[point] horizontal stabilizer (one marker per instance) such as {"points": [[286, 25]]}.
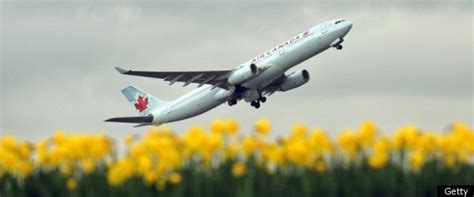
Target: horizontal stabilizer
{"points": [[132, 119]]}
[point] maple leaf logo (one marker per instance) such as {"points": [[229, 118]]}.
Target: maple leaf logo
{"points": [[141, 104]]}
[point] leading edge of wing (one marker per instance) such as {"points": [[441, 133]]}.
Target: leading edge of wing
{"points": [[158, 73], [216, 78]]}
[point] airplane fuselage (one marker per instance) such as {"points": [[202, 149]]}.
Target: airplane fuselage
{"points": [[272, 63]]}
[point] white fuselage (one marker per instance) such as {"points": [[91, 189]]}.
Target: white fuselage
{"points": [[272, 63]]}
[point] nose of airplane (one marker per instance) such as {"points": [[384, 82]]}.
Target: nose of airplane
{"points": [[348, 26]]}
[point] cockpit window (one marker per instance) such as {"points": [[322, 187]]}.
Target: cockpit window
{"points": [[339, 21]]}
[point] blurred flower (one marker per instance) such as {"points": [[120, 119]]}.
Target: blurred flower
{"points": [[426, 142], [462, 129], [349, 144], [378, 160], [71, 184], [405, 137], [129, 139], [382, 146], [320, 166], [275, 154], [66, 170], [15, 157], [149, 176], [417, 159], [120, 171], [320, 142], [88, 165], [249, 145], [175, 178], [239, 169], [262, 126], [218, 126], [367, 133], [298, 152], [231, 151], [379, 156], [449, 161], [231, 126], [68, 151], [299, 131]]}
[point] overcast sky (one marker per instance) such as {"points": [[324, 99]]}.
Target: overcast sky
{"points": [[401, 63]]}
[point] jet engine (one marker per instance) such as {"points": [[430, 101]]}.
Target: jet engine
{"points": [[243, 74], [294, 80]]}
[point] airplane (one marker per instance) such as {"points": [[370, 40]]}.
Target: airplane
{"points": [[251, 81]]}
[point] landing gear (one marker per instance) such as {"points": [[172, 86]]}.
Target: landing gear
{"points": [[238, 92], [337, 43], [232, 102], [255, 104]]}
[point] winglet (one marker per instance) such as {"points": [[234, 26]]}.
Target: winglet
{"points": [[121, 70]]}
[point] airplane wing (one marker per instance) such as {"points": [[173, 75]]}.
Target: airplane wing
{"points": [[268, 91], [274, 86], [217, 78]]}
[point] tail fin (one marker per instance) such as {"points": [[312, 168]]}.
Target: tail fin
{"points": [[143, 102]]}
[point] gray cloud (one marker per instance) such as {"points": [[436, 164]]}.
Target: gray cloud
{"points": [[401, 62]]}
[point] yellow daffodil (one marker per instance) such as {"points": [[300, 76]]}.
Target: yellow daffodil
{"points": [[88, 165], [239, 169], [231, 126], [298, 152], [405, 137], [320, 142], [320, 166], [218, 126], [378, 160], [367, 133], [349, 144], [262, 126], [299, 131], [120, 171], [175, 178], [250, 145], [15, 157], [71, 184], [129, 139], [417, 160]]}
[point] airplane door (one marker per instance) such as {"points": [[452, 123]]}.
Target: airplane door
{"points": [[324, 28]]}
